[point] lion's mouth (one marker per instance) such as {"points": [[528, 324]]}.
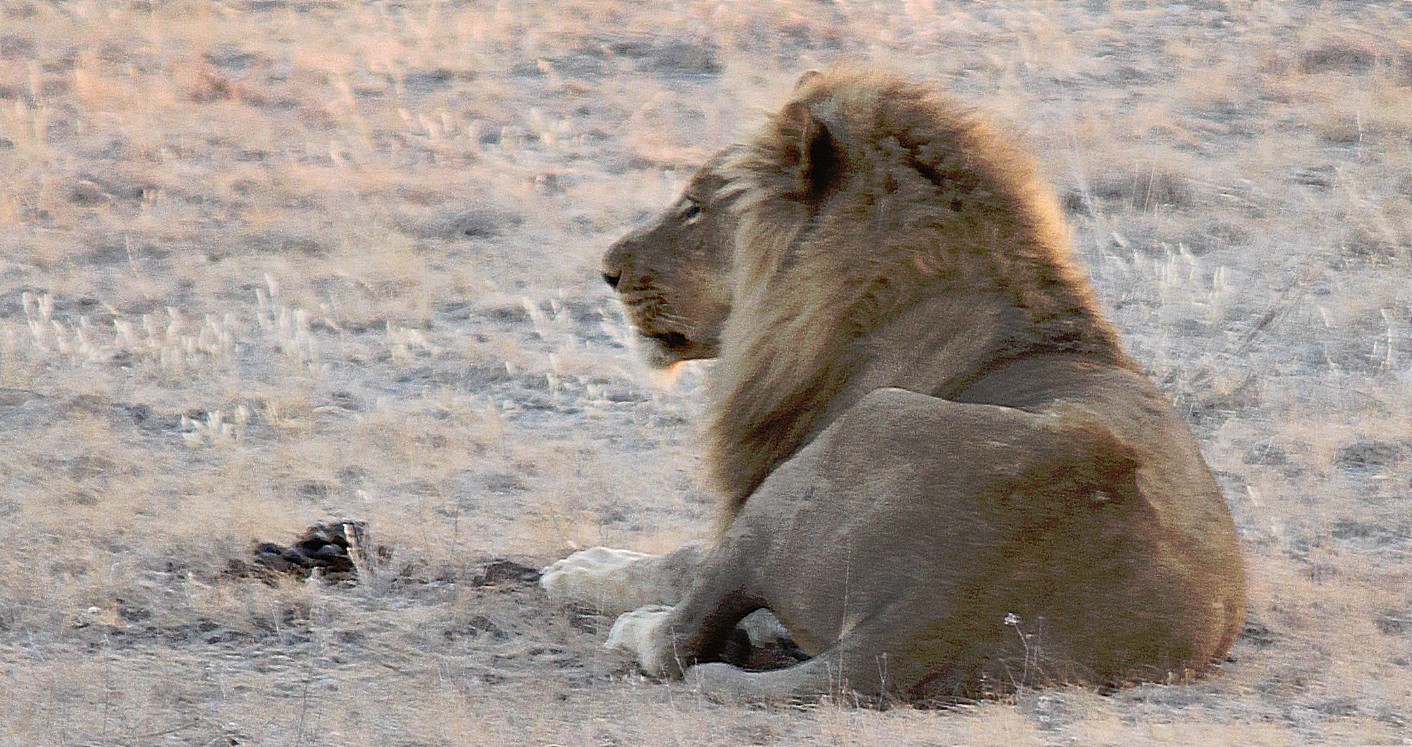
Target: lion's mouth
{"points": [[675, 342], [666, 349]]}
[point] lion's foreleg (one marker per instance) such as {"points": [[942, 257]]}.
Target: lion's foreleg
{"points": [[615, 581], [855, 668], [666, 640]]}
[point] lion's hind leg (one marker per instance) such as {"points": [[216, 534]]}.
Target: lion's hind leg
{"points": [[998, 495]]}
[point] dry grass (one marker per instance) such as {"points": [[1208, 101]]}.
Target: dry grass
{"points": [[263, 263]]}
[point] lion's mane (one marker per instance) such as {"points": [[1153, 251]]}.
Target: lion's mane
{"points": [[809, 288]]}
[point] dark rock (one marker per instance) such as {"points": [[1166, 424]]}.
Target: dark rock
{"points": [[330, 548], [502, 572]]}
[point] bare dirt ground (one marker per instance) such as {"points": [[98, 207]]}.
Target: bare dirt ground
{"points": [[264, 263]]}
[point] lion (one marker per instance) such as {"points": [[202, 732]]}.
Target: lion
{"points": [[941, 473]]}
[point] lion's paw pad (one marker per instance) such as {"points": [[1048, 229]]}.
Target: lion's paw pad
{"points": [[640, 633]]}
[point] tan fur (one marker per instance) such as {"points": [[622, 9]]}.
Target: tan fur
{"points": [[921, 422]]}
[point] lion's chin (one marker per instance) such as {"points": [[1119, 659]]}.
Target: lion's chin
{"points": [[659, 354], [666, 351]]}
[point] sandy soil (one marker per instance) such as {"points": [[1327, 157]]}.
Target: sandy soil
{"points": [[266, 263]]}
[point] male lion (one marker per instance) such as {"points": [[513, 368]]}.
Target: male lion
{"points": [[942, 473]]}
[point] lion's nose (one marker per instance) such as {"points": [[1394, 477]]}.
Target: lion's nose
{"points": [[616, 262]]}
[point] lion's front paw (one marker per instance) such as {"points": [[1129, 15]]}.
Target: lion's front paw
{"points": [[646, 633], [600, 577]]}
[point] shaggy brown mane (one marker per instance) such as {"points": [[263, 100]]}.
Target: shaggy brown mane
{"points": [[923, 198]]}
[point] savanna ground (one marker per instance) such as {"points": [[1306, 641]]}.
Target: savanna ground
{"points": [[264, 263]]}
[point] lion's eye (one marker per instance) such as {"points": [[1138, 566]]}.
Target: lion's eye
{"points": [[690, 211]]}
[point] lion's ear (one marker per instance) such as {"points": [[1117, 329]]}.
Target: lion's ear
{"points": [[808, 76], [820, 157]]}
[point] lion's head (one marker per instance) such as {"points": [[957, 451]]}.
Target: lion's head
{"points": [[672, 275]]}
